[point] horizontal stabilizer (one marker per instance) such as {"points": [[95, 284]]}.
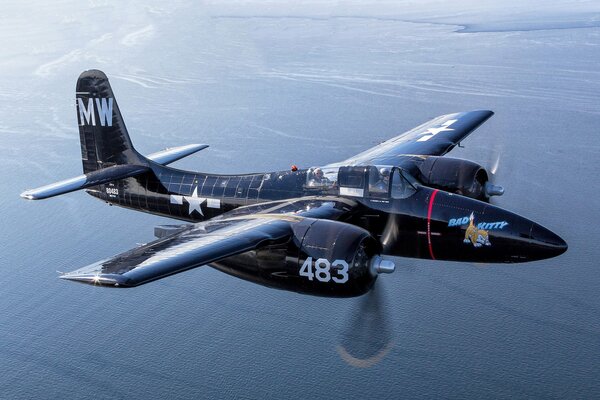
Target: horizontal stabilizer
{"points": [[173, 154], [94, 178]]}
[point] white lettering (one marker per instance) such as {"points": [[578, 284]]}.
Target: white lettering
{"points": [[105, 111], [306, 269], [86, 115], [343, 272], [322, 266], [322, 270], [104, 107]]}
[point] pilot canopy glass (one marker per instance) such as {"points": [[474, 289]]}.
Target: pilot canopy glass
{"points": [[322, 177], [373, 181], [403, 184]]}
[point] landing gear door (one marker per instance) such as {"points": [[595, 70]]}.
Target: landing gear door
{"points": [[353, 181]]}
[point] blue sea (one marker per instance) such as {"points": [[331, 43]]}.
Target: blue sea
{"points": [[269, 85]]}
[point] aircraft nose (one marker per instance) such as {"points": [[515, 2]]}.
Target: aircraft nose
{"points": [[551, 245]]}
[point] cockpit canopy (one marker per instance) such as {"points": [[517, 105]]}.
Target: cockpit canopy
{"points": [[374, 181], [322, 177]]}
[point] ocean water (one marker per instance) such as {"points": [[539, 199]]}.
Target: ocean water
{"points": [[267, 86]]}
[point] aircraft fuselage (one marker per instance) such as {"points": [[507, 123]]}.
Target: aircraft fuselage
{"points": [[428, 223]]}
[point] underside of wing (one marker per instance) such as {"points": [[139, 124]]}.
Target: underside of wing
{"points": [[435, 137]]}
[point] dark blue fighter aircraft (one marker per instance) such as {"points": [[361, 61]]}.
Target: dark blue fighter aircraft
{"points": [[322, 231]]}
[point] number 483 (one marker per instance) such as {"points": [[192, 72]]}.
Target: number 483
{"points": [[323, 270]]}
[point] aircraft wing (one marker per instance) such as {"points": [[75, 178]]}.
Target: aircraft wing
{"points": [[203, 243], [189, 248], [435, 138]]}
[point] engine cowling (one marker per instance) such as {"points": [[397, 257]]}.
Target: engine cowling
{"points": [[455, 175], [323, 258]]}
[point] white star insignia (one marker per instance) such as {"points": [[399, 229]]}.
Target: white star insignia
{"points": [[195, 202], [431, 132]]}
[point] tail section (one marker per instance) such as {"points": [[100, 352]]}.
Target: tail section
{"points": [[104, 138], [106, 149]]}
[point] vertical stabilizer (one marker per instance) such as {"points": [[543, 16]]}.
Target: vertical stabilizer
{"points": [[104, 138]]}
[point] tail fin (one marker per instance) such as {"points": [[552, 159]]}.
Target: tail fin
{"points": [[104, 138]]}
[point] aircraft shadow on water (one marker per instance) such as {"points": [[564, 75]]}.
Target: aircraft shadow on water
{"points": [[326, 230]]}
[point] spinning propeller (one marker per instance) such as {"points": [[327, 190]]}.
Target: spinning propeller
{"points": [[367, 338], [490, 187]]}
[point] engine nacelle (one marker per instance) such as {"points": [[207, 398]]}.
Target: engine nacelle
{"points": [[456, 175], [323, 258]]}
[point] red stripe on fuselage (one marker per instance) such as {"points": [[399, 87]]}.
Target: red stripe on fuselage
{"points": [[431, 200]]}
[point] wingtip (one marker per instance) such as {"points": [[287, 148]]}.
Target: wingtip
{"points": [[75, 278], [95, 279], [483, 111], [28, 195]]}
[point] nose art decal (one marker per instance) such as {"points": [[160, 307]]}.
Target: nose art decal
{"points": [[477, 237]]}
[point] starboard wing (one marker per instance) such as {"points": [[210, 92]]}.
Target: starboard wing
{"points": [[435, 137]]}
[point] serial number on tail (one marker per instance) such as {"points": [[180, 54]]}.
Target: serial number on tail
{"points": [[112, 191]]}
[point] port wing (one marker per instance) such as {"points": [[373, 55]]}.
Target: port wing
{"points": [[188, 248]]}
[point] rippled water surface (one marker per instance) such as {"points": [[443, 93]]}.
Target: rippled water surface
{"points": [[270, 87]]}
